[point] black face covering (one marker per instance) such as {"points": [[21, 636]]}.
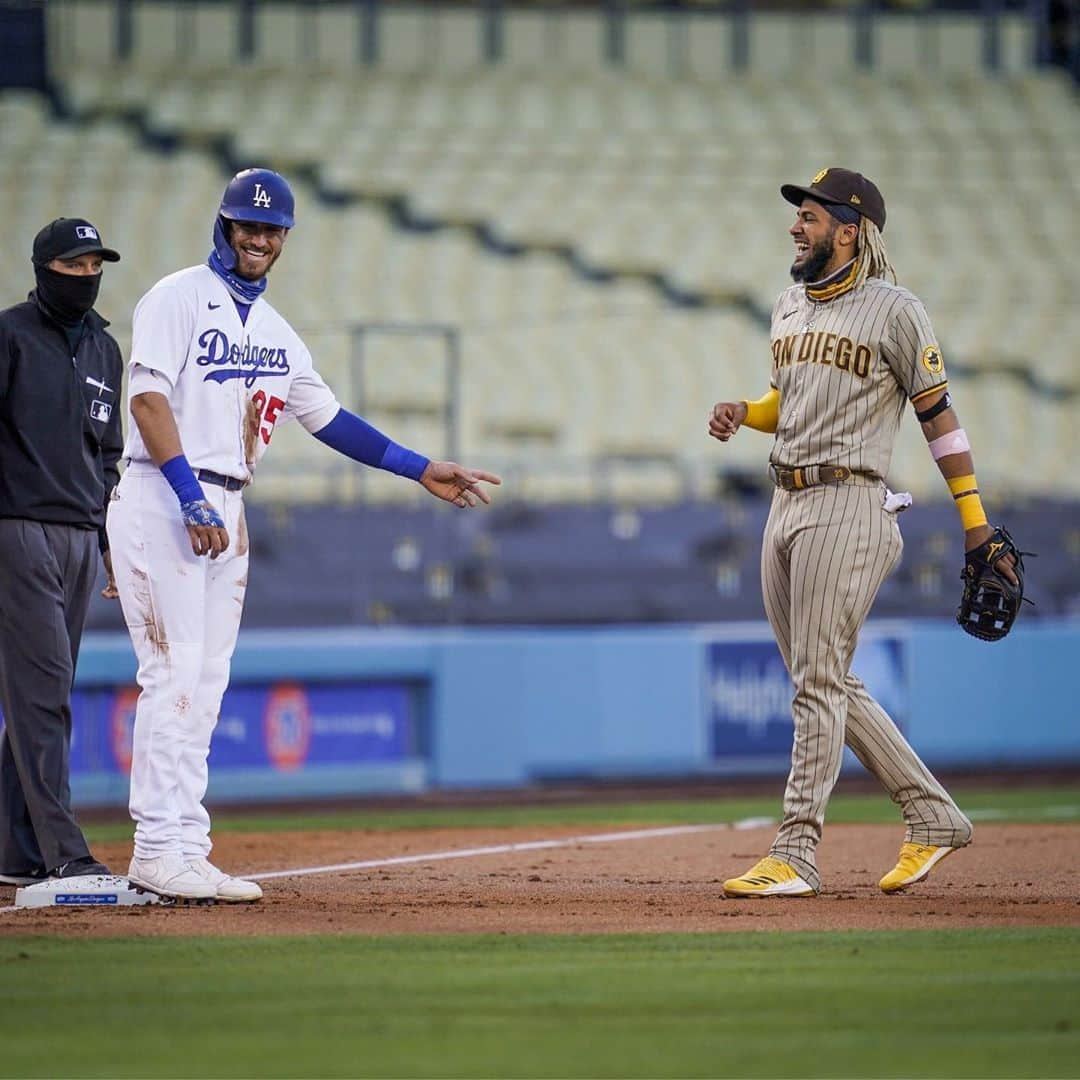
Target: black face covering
{"points": [[66, 297]]}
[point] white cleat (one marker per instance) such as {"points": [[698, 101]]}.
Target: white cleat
{"points": [[170, 876], [230, 890]]}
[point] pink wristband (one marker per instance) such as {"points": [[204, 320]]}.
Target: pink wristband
{"points": [[952, 442]]}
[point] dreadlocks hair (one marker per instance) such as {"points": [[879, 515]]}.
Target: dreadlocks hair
{"points": [[872, 260]]}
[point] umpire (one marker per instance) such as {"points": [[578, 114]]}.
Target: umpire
{"points": [[60, 442]]}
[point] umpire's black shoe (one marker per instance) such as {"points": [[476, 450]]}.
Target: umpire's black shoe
{"points": [[81, 868], [24, 877]]}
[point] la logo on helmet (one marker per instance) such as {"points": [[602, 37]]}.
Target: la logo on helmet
{"points": [[261, 197]]}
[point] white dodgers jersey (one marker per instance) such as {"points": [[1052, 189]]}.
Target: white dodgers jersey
{"points": [[231, 381]]}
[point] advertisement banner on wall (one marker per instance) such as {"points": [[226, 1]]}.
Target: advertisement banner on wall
{"points": [[282, 727], [749, 696]]}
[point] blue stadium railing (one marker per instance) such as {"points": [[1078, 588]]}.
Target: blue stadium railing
{"points": [[511, 564]]}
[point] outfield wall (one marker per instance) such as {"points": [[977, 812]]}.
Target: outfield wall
{"points": [[313, 713]]}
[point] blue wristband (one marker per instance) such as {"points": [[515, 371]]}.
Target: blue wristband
{"points": [[399, 459], [182, 480], [348, 434]]}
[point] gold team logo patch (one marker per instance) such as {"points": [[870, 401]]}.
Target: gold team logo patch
{"points": [[819, 177], [932, 361]]}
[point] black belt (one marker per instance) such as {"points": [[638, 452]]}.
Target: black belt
{"points": [[810, 475], [229, 483]]}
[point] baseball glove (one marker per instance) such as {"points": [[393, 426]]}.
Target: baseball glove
{"points": [[991, 602]]}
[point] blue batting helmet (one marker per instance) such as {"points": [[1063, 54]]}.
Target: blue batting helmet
{"points": [[258, 195]]}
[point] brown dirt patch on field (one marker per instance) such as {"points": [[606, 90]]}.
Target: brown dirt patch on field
{"points": [[1013, 875]]}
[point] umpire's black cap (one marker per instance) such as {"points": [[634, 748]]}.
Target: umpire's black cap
{"points": [[841, 187], [68, 238]]}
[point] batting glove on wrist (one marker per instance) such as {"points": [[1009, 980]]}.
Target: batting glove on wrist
{"points": [[200, 512]]}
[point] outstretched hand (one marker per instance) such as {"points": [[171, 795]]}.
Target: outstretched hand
{"points": [[455, 484], [726, 418]]}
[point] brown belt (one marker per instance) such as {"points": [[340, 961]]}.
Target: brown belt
{"points": [[810, 475]]}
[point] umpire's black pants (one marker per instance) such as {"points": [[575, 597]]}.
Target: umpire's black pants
{"points": [[46, 575]]}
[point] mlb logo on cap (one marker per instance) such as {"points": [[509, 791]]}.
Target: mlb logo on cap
{"points": [[68, 238]]}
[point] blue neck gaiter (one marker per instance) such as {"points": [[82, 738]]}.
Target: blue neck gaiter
{"points": [[223, 261]]}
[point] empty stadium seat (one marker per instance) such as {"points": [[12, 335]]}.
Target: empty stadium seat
{"points": [[573, 363]]}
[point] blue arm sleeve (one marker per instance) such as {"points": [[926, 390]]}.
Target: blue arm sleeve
{"points": [[357, 439]]}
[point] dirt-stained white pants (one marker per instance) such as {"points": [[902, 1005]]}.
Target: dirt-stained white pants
{"points": [[183, 614], [826, 551]]}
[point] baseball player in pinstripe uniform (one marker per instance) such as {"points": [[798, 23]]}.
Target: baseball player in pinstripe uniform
{"points": [[849, 349]]}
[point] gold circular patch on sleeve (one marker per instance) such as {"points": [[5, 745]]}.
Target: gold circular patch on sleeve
{"points": [[932, 361]]}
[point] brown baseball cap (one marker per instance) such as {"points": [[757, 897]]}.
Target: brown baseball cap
{"points": [[841, 187]]}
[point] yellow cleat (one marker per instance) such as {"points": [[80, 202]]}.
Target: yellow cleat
{"points": [[915, 862], [770, 877]]}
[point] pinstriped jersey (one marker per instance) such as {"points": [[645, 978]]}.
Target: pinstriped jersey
{"points": [[844, 369]]}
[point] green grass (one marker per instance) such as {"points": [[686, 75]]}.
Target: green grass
{"points": [[1017, 804], [970, 1003]]}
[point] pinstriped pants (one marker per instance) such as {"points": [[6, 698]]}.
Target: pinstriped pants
{"points": [[825, 553]]}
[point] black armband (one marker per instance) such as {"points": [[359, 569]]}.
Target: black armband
{"points": [[943, 403]]}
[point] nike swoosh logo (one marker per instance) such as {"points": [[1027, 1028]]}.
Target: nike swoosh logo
{"points": [[789, 314], [212, 307]]}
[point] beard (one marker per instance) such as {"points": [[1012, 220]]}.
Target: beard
{"points": [[817, 258], [242, 271]]}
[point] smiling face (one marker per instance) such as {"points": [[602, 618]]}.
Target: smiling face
{"points": [[822, 244], [257, 247]]}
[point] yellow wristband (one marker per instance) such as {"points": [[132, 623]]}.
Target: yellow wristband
{"points": [[763, 414], [972, 514], [965, 490], [962, 485]]}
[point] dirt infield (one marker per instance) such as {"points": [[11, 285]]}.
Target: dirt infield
{"points": [[1014, 875]]}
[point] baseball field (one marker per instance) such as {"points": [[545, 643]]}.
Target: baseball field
{"points": [[568, 939]]}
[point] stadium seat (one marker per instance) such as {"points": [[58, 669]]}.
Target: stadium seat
{"points": [[601, 185]]}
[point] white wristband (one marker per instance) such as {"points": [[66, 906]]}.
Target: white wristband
{"points": [[952, 442]]}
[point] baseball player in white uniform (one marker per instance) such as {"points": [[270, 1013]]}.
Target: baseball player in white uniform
{"points": [[213, 369]]}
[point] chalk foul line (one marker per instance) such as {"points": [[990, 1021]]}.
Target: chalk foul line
{"points": [[505, 849], [501, 849]]}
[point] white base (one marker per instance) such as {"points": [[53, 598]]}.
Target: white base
{"points": [[96, 890]]}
